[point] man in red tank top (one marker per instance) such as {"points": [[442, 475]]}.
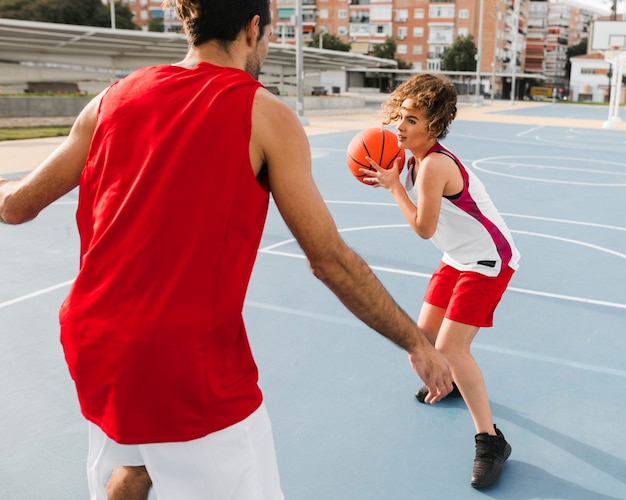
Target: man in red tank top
{"points": [[161, 361]]}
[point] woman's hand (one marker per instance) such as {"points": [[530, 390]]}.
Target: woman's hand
{"points": [[381, 177]]}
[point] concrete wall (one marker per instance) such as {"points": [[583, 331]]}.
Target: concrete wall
{"points": [[39, 106], [326, 102], [44, 106]]}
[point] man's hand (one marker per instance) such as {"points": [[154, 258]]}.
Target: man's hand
{"points": [[433, 369]]}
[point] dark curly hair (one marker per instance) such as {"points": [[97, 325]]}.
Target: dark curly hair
{"points": [[434, 94], [220, 20]]}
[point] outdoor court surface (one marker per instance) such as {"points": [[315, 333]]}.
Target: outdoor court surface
{"points": [[346, 424]]}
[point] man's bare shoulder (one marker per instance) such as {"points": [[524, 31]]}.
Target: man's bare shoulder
{"points": [[270, 106]]}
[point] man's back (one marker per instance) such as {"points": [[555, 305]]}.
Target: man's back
{"points": [[170, 221]]}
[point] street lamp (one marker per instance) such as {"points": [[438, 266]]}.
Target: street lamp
{"points": [[514, 56], [323, 31], [112, 5], [479, 51], [496, 20], [299, 65]]}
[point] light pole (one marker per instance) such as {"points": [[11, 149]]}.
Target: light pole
{"points": [[515, 36], [479, 51], [112, 4], [299, 65], [323, 31], [496, 19]]}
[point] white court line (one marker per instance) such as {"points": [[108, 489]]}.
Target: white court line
{"points": [[529, 131], [351, 321], [543, 166], [35, 294], [569, 298], [515, 161], [564, 221], [504, 214], [271, 249], [574, 242]]}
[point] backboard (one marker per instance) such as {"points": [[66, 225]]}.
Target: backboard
{"points": [[608, 35]]}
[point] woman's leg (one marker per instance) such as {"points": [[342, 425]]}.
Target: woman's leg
{"points": [[429, 321], [454, 341]]}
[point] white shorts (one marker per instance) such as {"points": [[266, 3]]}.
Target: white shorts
{"points": [[236, 463]]}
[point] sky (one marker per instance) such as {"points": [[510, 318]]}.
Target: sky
{"points": [[621, 4]]}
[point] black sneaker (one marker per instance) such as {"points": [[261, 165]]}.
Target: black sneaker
{"points": [[491, 452], [423, 392]]}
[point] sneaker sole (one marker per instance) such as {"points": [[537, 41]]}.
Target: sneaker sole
{"points": [[484, 482], [421, 394]]}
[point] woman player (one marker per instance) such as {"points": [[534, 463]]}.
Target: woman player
{"points": [[444, 202]]}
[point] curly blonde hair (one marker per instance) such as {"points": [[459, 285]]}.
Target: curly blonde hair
{"points": [[431, 93]]}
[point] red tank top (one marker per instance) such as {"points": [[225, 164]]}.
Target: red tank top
{"points": [[170, 217]]}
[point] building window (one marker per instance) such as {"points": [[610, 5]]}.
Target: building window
{"points": [[323, 13], [401, 49], [418, 50], [342, 14], [286, 12], [441, 11], [464, 14], [402, 32], [463, 32], [418, 14], [418, 32], [402, 15]]}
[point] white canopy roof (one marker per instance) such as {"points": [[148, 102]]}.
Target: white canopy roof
{"points": [[92, 49]]}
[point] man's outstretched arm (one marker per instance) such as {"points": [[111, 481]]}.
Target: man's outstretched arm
{"points": [[285, 150]]}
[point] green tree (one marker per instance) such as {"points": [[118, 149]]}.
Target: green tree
{"points": [[460, 56], [579, 49], [402, 64], [385, 50], [155, 24], [83, 12], [330, 42]]}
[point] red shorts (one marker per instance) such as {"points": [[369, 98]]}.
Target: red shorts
{"points": [[468, 297]]}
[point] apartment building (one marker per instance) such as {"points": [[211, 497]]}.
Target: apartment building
{"points": [[528, 36], [421, 29], [554, 26], [146, 10]]}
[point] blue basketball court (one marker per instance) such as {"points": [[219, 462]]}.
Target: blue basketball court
{"points": [[346, 424]]}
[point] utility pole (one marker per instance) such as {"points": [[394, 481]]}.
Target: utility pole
{"points": [[299, 65], [515, 37], [479, 51], [112, 4]]}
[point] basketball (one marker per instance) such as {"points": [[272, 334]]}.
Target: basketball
{"points": [[380, 144]]}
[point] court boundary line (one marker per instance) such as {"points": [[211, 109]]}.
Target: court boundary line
{"points": [[526, 291], [352, 321]]}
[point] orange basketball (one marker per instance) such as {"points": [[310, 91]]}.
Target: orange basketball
{"points": [[380, 144]]}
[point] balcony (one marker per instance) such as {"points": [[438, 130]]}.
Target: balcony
{"points": [[433, 65], [359, 19]]}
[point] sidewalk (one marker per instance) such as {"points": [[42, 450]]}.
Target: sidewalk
{"points": [[22, 156]]}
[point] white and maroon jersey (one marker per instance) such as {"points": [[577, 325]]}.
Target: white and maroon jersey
{"points": [[470, 231]]}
